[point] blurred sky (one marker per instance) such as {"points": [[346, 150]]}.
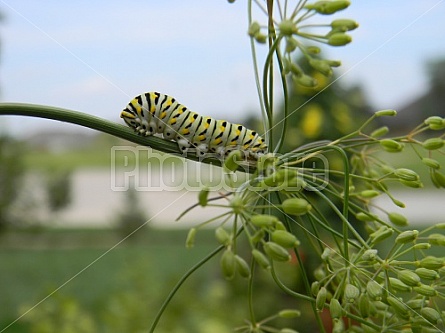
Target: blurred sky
{"points": [[94, 56]]}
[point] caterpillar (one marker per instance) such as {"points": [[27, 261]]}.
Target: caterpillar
{"points": [[153, 112]]}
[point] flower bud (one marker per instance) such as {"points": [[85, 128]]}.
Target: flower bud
{"points": [[263, 220], [386, 113], [190, 240], [287, 27], [242, 267], [328, 7], [407, 236], [432, 163], [416, 304], [427, 274], [382, 233], [315, 287], [433, 143], [422, 246], [435, 123], [398, 219], [261, 259], [228, 264], [296, 206], [413, 184], [431, 262], [321, 65], [344, 23], [381, 131], [289, 313], [284, 238], [334, 63], [335, 309], [339, 39], [261, 38], [399, 307], [430, 314], [351, 293], [222, 236], [203, 197], [276, 252], [339, 326], [391, 146], [398, 285], [425, 290], [231, 161], [365, 217], [409, 277], [406, 174], [374, 290], [320, 300], [291, 44], [254, 29]]}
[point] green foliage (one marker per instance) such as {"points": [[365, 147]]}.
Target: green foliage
{"points": [[58, 189]]}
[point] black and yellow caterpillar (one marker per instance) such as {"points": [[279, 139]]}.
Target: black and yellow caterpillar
{"points": [[153, 112]]}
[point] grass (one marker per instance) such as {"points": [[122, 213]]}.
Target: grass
{"points": [[91, 272]]}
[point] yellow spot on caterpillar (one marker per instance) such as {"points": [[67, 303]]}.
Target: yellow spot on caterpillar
{"points": [[163, 115]]}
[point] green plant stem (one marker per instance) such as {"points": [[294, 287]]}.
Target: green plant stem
{"points": [[105, 126], [180, 283]]}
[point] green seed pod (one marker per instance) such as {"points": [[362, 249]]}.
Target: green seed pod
{"points": [[438, 179], [397, 285], [228, 264], [425, 290], [334, 63], [284, 238], [365, 217], [407, 236], [287, 28], [296, 206], [190, 240], [203, 197], [276, 252], [432, 163], [382, 233], [431, 262], [433, 143], [409, 278], [398, 219], [319, 273], [364, 305], [306, 81], [263, 220], [335, 309], [222, 236], [328, 7], [261, 38], [416, 304], [422, 246], [313, 50], [406, 174], [231, 161], [391, 146], [427, 274], [242, 267], [282, 175], [351, 293], [413, 184], [258, 236], [436, 239], [320, 300], [368, 194], [344, 23], [374, 290], [289, 313], [339, 39], [440, 225], [431, 315], [434, 120], [261, 259], [370, 255], [291, 44], [386, 113], [321, 65], [399, 307], [338, 327], [380, 132], [254, 29], [327, 253], [315, 288]]}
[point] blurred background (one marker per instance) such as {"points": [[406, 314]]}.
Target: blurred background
{"points": [[60, 219]]}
